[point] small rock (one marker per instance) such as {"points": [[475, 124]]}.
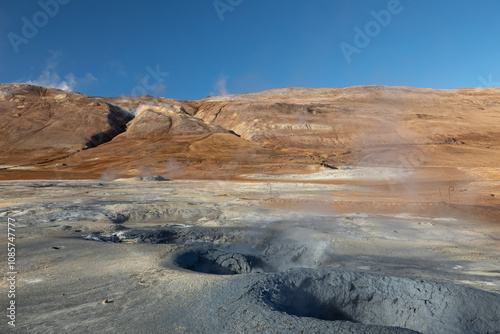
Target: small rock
{"points": [[115, 218], [328, 165], [453, 141], [155, 178], [114, 228], [60, 96]]}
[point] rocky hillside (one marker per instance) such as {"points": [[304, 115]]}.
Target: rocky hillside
{"points": [[48, 133]]}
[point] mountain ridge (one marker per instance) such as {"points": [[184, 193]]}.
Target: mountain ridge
{"points": [[51, 133]]}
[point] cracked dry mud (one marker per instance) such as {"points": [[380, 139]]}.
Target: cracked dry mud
{"points": [[227, 257]]}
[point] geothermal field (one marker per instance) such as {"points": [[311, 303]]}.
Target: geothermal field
{"points": [[345, 210]]}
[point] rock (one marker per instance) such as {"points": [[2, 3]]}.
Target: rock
{"points": [[60, 96], [453, 141], [328, 165], [133, 236], [155, 178], [117, 218]]}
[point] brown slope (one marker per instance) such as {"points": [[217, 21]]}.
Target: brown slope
{"points": [[369, 125], [165, 139], [279, 131], [66, 135], [42, 124]]}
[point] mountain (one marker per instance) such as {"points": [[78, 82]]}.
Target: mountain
{"points": [[49, 133]]}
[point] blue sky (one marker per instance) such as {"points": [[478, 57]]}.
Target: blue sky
{"points": [[189, 49]]}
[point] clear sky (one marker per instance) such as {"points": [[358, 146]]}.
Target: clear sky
{"points": [[189, 49]]}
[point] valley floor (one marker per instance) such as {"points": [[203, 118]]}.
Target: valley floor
{"points": [[158, 250]]}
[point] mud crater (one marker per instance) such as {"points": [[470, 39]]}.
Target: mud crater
{"points": [[175, 234], [219, 262], [229, 250], [370, 299]]}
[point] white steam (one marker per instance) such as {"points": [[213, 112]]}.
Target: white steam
{"points": [[220, 87], [50, 77]]}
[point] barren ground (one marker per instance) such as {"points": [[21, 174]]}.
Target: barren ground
{"points": [[68, 262]]}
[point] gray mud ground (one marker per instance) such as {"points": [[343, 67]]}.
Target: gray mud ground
{"points": [[244, 257]]}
